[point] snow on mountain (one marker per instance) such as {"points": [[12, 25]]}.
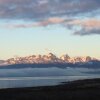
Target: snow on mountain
{"points": [[3, 62], [49, 58]]}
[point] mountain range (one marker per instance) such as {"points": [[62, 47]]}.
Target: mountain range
{"points": [[47, 59]]}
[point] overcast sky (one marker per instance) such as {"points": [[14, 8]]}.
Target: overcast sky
{"points": [[41, 26]]}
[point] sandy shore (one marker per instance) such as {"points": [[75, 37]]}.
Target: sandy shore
{"points": [[88, 89]]}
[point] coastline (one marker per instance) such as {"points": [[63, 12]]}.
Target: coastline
{"points": [[88, 89]]}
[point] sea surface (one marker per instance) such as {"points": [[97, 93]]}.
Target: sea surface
{"points": [[14, 82], [13, 78]]}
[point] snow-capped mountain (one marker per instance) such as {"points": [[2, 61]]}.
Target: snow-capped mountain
{"points": [[3, 62], [45, 59]]}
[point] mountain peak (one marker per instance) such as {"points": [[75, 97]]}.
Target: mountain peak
{"points": [[49, 58]]}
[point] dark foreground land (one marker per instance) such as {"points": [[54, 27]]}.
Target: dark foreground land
{"points": [[78, 90]]}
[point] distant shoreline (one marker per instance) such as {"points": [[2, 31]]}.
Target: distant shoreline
{"points": [[88, 89]]}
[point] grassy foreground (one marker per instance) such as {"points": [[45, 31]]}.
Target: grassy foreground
{"points": [[88, 89]]}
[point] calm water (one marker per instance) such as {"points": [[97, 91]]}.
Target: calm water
{"points": [[13, 82], [30, 77]]}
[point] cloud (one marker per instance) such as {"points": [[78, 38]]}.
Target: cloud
{"points": [[49, 21], [87, 26], [49, 12], [79, 27], [52, 20], [85, 31], [89, 23], [41, 9]]}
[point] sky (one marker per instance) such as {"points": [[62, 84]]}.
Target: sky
{"points": [[30, 27]]}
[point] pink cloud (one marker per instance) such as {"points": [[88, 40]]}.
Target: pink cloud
{"points": [[52, 20], [88, 26], [49, 21]]}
